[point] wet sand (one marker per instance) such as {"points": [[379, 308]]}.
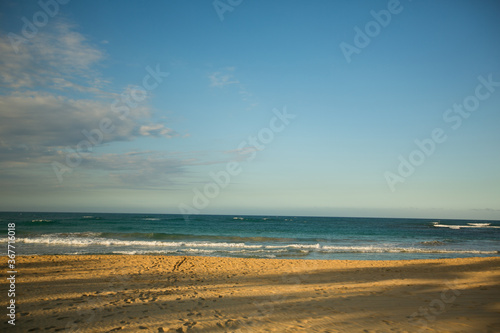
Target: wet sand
{"points": [[132, 293]]}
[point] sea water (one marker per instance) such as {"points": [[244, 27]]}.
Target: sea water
{"points": [[288, 237]]}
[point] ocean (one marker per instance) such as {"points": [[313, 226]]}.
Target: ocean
{"points": [[285, 237]]}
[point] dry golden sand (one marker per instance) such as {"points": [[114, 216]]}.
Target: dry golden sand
{"points": [[125, 293]]}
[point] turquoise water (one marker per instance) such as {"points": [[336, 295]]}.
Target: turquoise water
{"points": [[251, 236]]}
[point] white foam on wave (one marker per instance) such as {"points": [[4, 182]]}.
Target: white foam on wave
{"points": [[234, 248], [210, 244], [86, 241], [132, 252], [479, 224], [203, 251], [197, 251], [378, 249], [469, 225], [294, 246], [76, 234]]}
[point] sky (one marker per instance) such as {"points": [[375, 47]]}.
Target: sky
{"points": [[318, 108]]}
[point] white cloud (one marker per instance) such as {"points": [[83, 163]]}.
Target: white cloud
{"points": [[58, 58], [46, 120], [224, 78], [51, 92], [157, 130], [150, 169]]}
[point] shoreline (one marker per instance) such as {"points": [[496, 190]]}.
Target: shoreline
{"points": [[156, 293], [491, 256]]}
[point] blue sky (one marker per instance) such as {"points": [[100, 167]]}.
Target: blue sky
{"points": [[196, 80]]}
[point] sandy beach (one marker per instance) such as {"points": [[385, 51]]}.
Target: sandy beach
{"points": [[204, 294]]}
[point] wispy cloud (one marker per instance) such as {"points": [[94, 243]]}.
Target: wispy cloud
{"points": [[223, 78], [150, 169], [157, 130], [52, 91], [59, 58], [226, 77]]}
